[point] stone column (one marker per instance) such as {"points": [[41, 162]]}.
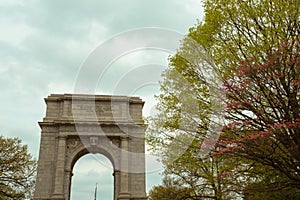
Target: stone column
{"points": [[65, 108], [124, 183], [68, 180], [116, 184], [60, 169]]}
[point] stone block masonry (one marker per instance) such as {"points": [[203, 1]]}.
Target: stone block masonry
{"points": [[76, 125]]}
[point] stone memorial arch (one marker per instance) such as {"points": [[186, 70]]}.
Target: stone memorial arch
{"points": [[76, 125]]}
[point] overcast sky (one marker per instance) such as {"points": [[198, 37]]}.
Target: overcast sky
{"points": [[45, 45]]}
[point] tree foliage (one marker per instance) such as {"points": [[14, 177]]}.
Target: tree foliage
{"points": [[17, 170], [170, 189], [263, 110], [237, 70]]}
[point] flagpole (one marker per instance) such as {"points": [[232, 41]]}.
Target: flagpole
{"points": [[95, 195]]}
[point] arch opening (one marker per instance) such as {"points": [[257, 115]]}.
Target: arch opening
{"points": [[89, 170]]}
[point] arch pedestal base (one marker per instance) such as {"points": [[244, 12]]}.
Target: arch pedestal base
{"points": [[124, 196]]}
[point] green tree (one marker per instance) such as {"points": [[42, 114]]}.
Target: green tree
{"points": [[207, 177], [17, 170], [170, 189], [265, 189], [201, 79]]}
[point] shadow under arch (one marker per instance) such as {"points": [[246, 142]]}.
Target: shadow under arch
{"points": [[80, 151]]}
